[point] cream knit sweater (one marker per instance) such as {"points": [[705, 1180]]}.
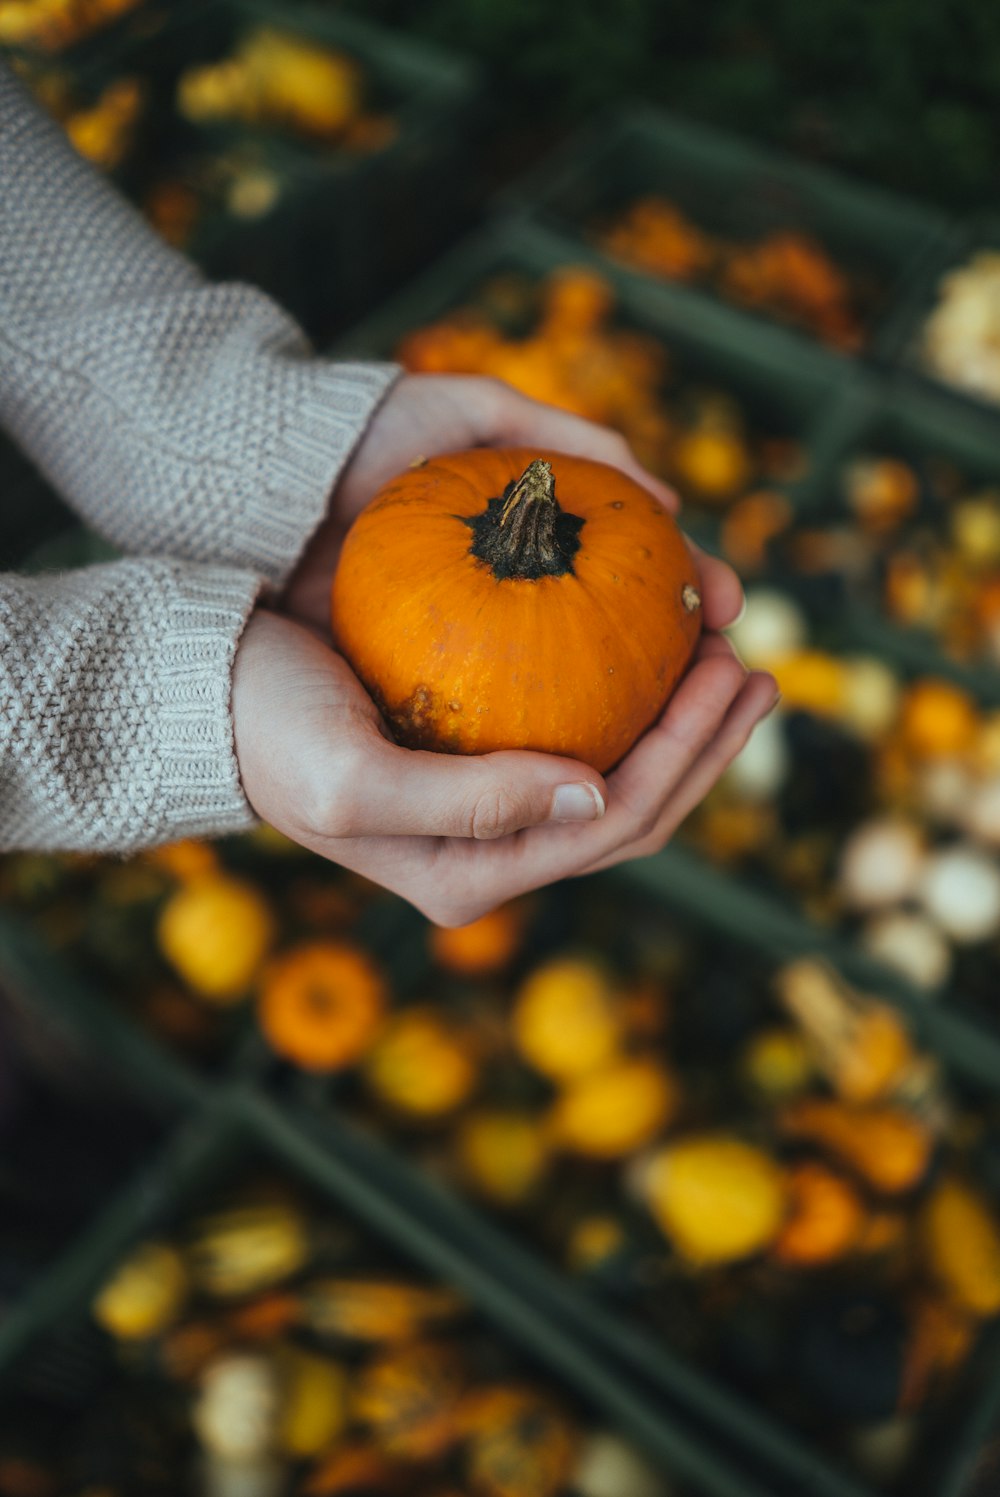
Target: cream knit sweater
{"points": [[189, 424]]}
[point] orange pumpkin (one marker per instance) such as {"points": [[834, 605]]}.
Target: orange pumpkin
{"points": [[500, 599], [321, 1005], [483, 947]]}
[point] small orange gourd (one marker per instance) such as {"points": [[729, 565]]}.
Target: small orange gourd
{"points": [[511, 599], [321, 1005]]}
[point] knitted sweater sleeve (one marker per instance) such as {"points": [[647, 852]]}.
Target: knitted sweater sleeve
{"points": [[115, 727], [178, 417]]}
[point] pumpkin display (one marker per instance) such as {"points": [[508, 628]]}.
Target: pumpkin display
{"points": [[538, 601], [870, 796], [355, 1379], [275, 78], [321, 1005], [786, 273], [559, 339]]}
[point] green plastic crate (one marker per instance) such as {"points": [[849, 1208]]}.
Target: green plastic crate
{"points": [[917, 426], [391, 1193], [733, 188], [902, 335], [236, 1130], [789, 387], [346, 226]]}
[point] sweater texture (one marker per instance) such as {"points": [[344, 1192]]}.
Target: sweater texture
{"points": [[192, 426]]}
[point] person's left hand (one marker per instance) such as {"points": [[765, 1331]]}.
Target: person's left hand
{"points": [[458, 835], [425, 415]]}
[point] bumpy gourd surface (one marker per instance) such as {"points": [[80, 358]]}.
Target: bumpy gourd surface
{"points": [[461, 661]]}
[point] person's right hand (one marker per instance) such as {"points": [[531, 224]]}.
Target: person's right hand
{"points": [[458, 835]]}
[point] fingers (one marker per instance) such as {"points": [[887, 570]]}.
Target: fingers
{"points": [[385, 790], [470, 880], [722, 591], [521, 422], [757, 698]]}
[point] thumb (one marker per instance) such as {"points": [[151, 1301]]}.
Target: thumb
{"points": [[406, 792]]}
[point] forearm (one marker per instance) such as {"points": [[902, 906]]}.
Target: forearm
{"points": [[177, 417], [115, 721]]}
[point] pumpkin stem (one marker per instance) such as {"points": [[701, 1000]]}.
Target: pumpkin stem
{"points": [[526, 533]]}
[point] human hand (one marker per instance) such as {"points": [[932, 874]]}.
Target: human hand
{"points": [[458, 835]]}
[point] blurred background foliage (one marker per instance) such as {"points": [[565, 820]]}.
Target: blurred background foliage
{"points": [[903, 92]]}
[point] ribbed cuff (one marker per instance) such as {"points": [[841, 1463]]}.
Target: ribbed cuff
{"points": [[200, 787], [325, 410]]}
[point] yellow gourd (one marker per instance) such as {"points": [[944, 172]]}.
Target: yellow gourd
{"points": [[564, 1019], [420, 1067], [614, 1111], [961, 1241], [215, 932], [503, 1154], [313, 1409], [144, 1295], [247, 1248], [374, 1310], [717, 1198]]}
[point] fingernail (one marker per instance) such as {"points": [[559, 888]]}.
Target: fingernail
{"points": [[741, 615], [581, 802]]}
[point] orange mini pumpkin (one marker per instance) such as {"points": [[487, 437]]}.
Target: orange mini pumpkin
{"points": [[501, 599], [321, 1005]]}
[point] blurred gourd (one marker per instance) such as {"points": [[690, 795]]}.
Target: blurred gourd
{"points": [[860, 1045], [504, 1154], [313, 1402], [237, 1412], [376, 1310], [825, 1218], [145, 1294], [880, 491], [409, 1398], [960, 890], [711, 458], [519, 1444], [717, 1198], [937, 719], [961, 1240], [607, 1467], [420, 1067], [275, 79], [777, 1064], [887, 1147], [51, 25], [244, 1249], [215, 931], [786, 272], [565, 1021], [961, 335], [483, 947], [321, 1005], [611, 1112]]}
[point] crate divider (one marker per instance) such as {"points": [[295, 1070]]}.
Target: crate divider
{"points": [[641, 149], [689, 884]]}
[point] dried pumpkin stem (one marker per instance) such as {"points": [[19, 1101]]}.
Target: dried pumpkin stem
{"points": [[526, 533]]}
